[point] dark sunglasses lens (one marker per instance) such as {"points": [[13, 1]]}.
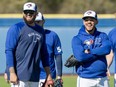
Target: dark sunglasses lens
{"points": [[28, 12]]}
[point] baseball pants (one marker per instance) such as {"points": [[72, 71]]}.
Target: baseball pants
{"points": [[25, 84], [41, 81], [94, 82]]}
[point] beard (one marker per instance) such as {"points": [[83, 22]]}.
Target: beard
{"points": [[29, 21]]}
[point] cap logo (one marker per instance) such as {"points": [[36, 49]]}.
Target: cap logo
{"points": [[89, 13], [29, 5]]}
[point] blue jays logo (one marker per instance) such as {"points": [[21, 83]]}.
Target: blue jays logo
{"points": [[88, 42], [36, 36], [29, 5], [89, 12]]}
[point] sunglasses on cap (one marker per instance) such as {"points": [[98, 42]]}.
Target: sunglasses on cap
{"points": [[29, 12]]}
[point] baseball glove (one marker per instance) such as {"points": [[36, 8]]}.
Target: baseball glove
{"points": [[71, 62], [58, 83]]}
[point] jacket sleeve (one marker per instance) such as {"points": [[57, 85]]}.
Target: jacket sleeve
{"points": [[111, 36], [104, 48], [78, 51]]}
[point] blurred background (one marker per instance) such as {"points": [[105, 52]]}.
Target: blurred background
{"points": [[61, 16], [61, 6]]}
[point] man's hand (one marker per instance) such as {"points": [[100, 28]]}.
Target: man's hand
{"points": [[6, 77], [48, 83], [108, 74], [13, 78]]}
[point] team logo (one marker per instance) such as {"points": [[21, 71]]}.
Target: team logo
{"points": [[29, 5], [89, 12], [36, 36], [88, 42]]}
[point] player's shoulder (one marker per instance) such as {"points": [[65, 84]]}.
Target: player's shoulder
{"points": [[16, 26], [77, 37], [113, 31], [101, 34], [19, 24], [51, 32]]}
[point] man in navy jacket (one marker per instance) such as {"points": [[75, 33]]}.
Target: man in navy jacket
{"points": [[90, 48]]}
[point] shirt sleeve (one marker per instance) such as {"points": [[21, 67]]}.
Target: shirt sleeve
{"points": [[57, 45], [10, 45], [59, 64]]}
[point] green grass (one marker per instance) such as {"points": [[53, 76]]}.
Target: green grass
{"points": [[68, 81], [111, 81], [3, 83]]}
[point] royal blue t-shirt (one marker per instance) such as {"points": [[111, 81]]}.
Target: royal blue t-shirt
{"points": [[54, 48]]}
